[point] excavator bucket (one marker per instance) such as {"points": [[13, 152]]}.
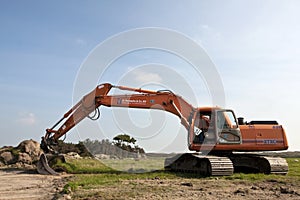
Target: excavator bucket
{"points": [[43, 166]]}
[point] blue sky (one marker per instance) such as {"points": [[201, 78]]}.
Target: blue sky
{"points": [[255, 46]]}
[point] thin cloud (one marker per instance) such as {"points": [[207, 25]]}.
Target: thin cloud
{"points": [[27, 119], [205, 26], [146, 77], [80, 41]]}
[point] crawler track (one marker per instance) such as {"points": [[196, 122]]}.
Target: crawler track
{"points": [[252, 163], [204, 165], [225, 165]]}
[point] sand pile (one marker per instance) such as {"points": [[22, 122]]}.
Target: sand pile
{"points": [[25, 155]]}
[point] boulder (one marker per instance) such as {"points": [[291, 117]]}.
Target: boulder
{"points": [[24, 158], [31, 147], [21, 165], [102, 156], [73, 155], [7, 157], [25, 155]]}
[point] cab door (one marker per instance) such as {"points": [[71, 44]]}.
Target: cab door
{"points": [[227, 128]]}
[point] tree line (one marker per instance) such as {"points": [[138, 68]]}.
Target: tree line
{"points": [[122, 146]]}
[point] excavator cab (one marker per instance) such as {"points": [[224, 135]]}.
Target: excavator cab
{"points": [[213, 126]]}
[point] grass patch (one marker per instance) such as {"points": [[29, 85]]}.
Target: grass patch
{"points": [[252, 177], [91, 174], [88, 181], [88, 165], [294, 167], [133, 165], [84, 166]]}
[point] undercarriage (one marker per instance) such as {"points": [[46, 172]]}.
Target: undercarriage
{"points": [[217, 165]]}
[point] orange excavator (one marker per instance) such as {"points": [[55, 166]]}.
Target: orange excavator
{"points": [[221, 141]]}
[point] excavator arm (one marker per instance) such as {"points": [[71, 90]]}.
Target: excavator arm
{"points": [[143, 99], [77, 113]]}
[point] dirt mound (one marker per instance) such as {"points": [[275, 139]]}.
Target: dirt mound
{"points": [[25, 155]]}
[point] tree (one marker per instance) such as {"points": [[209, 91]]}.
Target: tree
{"points": [[132, 140], [121, 146], [127, 143], [124, 139]]}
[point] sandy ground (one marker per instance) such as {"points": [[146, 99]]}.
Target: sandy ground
{"points": [[26, 185], [21, 184], [185, 189]]}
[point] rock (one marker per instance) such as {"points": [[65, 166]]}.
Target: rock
{"points": [[102, 156], [241, 191], [254, 188], [7, 157], [25, 155], [113, 157], [24, 158], [67, 196], [73, 155], [31, 147], [1, 164], [17, 165], [64, 197], [285, 190], [5, 148], [187, 184]]}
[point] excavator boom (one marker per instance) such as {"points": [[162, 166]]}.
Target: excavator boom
{"points": [[146, 99]]}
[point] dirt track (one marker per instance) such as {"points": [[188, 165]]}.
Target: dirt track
{"points": [[19, 184], [26, 185], [185, 189]]}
